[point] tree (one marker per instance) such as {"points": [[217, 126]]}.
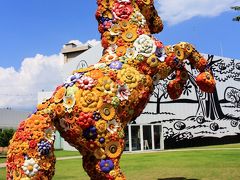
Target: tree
{"points": [[5, 136], [159, 93], [236, 8]]}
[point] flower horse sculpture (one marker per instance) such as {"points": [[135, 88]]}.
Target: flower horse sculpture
{"points": [[94, 105]]}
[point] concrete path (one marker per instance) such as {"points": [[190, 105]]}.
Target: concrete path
{"points": [[3, 165]]}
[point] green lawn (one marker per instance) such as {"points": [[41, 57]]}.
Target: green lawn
{"points": [[180, 165]]}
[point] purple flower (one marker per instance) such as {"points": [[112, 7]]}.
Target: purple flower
{"points": [[71, 80], [106, 165], [116, 65]]}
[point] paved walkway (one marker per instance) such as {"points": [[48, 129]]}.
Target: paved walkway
{"points": [[3, 165]]}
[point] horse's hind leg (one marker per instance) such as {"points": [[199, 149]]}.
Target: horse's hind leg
{"points": [[30, 154]]}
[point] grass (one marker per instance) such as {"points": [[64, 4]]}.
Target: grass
{"points": [[180, 165], [66, 153]]}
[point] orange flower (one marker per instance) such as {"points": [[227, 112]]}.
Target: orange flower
{"points": [[121, 50], [59, 109], [59, 94], [96, 74], [113, 149]]}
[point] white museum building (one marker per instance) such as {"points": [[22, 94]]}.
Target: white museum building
{"points": [[197, 118]]}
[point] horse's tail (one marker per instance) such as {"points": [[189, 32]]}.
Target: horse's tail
{"points": [[31, 149]]}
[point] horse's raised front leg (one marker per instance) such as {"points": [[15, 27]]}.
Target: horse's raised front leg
{"points": [[103, 164], [30, 154]]}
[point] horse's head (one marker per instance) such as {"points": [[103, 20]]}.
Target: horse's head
{"points": [[118, 10]]}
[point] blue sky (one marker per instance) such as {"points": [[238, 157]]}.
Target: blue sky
{"points": [[43, 26], [33, 33]]}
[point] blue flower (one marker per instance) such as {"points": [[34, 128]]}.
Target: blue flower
{"points": [[116, 65], [90, 133], [106, 165], [44, 147], [96, 116]]}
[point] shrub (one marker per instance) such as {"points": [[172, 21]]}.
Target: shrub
{"points": [[5, 136]]}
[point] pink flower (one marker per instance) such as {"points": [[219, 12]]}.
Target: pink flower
{"points": [[123, 92], [122, 10], [86, 82]]}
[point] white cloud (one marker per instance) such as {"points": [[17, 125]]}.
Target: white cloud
{"points": [[19, 88], [177, 11], [92, 42]]}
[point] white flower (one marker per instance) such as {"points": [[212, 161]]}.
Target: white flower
{"points": [[131, 53], [49, 134], [30, 167], [123, 0], [112, 126], [71, 90], [123, 92], [138, 18], [145, 45], [68, 102]]}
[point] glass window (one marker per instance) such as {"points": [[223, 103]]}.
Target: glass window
{"points": [[126, 139], [157, 136], [147, 137], [136, 143]]}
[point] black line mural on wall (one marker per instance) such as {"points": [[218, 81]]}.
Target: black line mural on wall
{"points": [[199, 118]]}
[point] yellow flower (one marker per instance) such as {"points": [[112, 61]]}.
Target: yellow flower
{"points": [[115, 29], [101, 126], [163, 71], [129, 75], [59, 94], [89, 101], [24, 147], [107, 112], [153, 61], [124, 24], [113, 173], [25, 178], [99, 153], [130, 35], [17, 174], [107, 86], [113, 149], [107, 3], [179, 53]]}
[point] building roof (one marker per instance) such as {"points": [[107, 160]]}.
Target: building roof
{"points": [[10, 118]]}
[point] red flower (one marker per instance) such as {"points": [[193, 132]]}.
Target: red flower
{"points": [[85, 120], [105, 42], [120, 42], [32, 144]]}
